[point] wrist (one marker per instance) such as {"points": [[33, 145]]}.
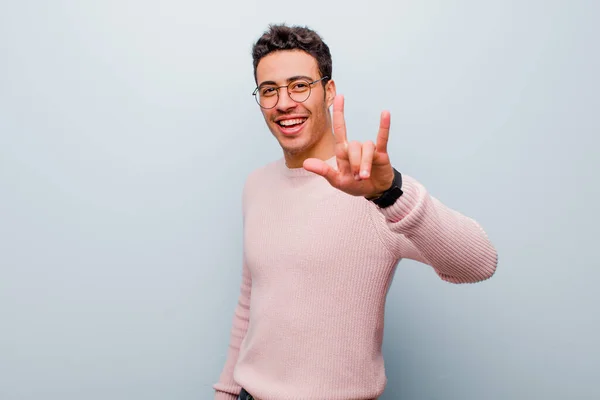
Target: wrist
{"points": [[389, 196], [374, 196], [380, 193]]}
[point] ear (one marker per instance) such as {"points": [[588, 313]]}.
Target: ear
{"points": [[330, 92]]}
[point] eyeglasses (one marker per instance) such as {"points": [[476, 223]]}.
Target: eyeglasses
{"points": [[267, 96]]}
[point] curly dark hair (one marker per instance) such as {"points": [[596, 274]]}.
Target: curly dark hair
{"points": [[283, 37]]}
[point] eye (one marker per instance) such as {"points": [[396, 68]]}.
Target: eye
{"points": [[299, 86], [268, 91]]}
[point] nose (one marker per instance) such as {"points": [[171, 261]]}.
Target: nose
{"points": [[285, 102]]}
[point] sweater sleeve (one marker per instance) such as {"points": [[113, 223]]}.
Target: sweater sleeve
{"points": [[226, 388], [420, 227]]}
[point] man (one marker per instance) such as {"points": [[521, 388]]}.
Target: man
{"points": [[324, 228]]}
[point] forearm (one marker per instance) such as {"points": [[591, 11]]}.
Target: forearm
{"points": [[455, 245], [226, 388]]}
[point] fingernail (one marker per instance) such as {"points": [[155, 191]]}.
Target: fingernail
{"points": [[365, 173]]}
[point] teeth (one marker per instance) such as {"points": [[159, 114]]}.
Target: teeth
{"points": [[289, 122]]}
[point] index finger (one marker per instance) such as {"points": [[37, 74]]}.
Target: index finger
{"points": [[339, 125], [384, 132]]}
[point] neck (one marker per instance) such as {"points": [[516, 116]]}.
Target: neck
{"points": [[323, 150]]}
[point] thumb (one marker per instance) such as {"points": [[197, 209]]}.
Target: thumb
{"points": [[320, 167]]}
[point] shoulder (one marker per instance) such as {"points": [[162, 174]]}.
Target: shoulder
{"points": [[257, 178], [258, 175]]}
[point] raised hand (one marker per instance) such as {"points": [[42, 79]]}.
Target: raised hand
{"points": [[364, 169]]}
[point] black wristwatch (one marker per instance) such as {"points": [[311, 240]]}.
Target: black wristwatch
{"points": [[390, 196]]}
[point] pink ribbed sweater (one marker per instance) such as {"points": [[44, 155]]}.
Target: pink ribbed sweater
{"points": [[317, 267]]}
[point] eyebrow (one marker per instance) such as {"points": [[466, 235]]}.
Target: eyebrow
{"points": [[293, 78]]}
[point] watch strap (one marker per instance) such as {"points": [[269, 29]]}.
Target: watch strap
{"points": [[390, 196]]}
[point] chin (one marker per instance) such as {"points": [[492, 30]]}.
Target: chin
{"points": [[293, 150], [293, 146], [296, 144]]}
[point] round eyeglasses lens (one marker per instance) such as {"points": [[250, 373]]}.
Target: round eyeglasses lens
{"points": [[267, 96], [299, 90]]}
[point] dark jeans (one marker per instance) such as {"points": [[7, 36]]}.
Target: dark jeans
{"points": [[245, 395]]}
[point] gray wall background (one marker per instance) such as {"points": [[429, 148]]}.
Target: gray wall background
{"points": [[127, 129]]}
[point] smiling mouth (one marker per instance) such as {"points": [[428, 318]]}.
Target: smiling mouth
{"points": [[291, 123]]}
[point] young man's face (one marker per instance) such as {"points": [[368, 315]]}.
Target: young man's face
{"points": [[300, 127]]}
